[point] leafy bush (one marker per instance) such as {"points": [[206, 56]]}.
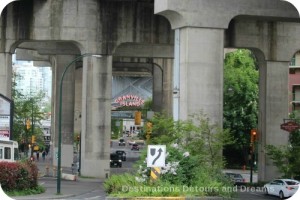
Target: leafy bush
{"points": [[18, 175], [117, 183], [193, 162]]}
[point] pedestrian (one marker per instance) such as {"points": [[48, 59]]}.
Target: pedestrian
{"points": [[44, 155], [37, 156]]}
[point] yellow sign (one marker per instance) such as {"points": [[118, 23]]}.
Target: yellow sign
{"points": [[138, 118], [155, 172]]}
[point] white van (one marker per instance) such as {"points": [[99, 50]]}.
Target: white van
{"points": [[9, 150]]}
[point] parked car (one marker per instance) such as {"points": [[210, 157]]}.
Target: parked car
{"points": [[236, 178], [281, 187], [122, 142], [115, 160], [122, 154], [135, 147]]}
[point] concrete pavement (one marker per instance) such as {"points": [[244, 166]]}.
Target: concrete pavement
{"points": [[81, 187], [69, 189]]}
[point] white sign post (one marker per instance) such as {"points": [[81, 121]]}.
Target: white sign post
{"points": [[156, 156]]}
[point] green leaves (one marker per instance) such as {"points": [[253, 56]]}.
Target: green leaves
{"points": [[286, 158], [27, 108], [240, 91], [240, 107]]}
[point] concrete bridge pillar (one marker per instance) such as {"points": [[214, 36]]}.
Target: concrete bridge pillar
{"points": [[78, 100], [67, 123], [96, 116], [273, 102], [6, 74], [157, 87], [162, 86], [201, 72]]}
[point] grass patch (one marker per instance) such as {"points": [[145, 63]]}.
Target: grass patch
{"points": [[37, 190]]}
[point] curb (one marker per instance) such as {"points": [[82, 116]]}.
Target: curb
{"points": [[165, 198]]}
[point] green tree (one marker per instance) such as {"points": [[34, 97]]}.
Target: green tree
{"points": [[197, 135], [27, 108], [286, 157], [240, 101]]}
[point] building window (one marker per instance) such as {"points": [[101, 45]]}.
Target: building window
{"points": [[293, 61]]}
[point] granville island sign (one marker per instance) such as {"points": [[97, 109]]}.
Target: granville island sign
{"points": [[129, 100]]}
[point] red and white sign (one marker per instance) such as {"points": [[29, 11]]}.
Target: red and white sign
{"points": [[290, 126], [129, 100], [5, 118], [4, 134]]}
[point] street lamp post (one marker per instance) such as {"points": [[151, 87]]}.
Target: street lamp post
{"points": [[60, 116]]}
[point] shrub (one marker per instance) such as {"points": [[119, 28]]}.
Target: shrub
{"points": [[119, 183], [193, 162], [18, 175]]}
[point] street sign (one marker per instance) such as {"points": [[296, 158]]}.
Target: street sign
{"points": [[156, 155], [290, 126], [5, 118]]}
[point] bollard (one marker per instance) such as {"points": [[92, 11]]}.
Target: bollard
{"points": [[47, 170], [54, 171]]}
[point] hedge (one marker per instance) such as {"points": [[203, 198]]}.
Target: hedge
{"points": [[18, 175]]}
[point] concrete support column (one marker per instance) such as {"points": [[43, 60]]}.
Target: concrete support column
{"points": [[157, 87], [67, 123], [6, 74], [201, 72], [273, 103], [96, 116], [162, 86], [78, 100]]}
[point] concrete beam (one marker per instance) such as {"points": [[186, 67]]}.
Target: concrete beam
{"points": [[218, 14], [28, 55], [51, 47], [132, 69], [139, 50], [277, 40]]}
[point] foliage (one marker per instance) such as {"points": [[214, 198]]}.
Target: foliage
{"points": [[27, 108], [117, 183], [240, 100], [280, 157], [18, 175], [286, 158], [116, 130], [208, 139], [172, 131], [193, 161], [36, 190]]}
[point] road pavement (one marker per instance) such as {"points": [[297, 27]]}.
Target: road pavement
{"points": [[88, 188]]}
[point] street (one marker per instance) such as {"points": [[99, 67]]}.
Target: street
{"points": [[131, 156], [90, 189]]}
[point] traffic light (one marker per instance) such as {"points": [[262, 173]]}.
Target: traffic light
{"points": [[28, 124], [138, 118], [253, 135], [33, 139]]}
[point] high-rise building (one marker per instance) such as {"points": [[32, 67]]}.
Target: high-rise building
{"points": [[31, 80]]}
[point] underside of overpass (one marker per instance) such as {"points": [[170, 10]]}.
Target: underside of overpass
{"points": [[179, 43]]}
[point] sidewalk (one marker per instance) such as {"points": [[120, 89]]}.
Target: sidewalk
{"points": [[68, 188]]}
